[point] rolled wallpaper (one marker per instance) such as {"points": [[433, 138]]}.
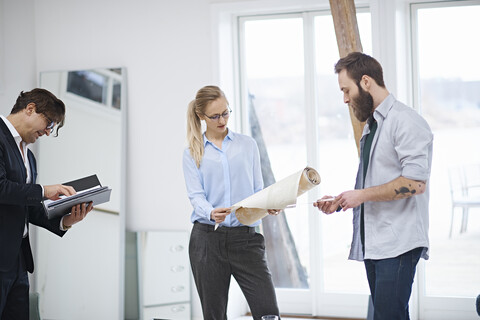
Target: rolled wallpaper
{"points": [[276, 196]]}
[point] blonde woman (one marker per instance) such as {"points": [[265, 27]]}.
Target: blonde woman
{"points": [[221, 168]]}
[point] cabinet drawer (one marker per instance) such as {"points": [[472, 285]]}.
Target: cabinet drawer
{"points": [[174, 311], [166, 268]]}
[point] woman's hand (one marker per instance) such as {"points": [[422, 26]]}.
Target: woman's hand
{"points": [[219, 214]]}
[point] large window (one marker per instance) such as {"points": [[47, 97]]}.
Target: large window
{"points": [[447, 93], [292, 104], [291, 93]]}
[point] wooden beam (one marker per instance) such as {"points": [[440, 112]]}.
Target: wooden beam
{"points": [[348, 40]]}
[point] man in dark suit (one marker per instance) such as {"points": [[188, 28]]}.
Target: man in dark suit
{"points": [[35, 113]]}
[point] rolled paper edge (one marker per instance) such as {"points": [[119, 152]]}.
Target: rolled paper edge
{"points": [[247, 216], [312, 175], [309, 178]]}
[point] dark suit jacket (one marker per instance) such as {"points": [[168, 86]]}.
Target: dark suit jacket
{"points": [[19, 202]]}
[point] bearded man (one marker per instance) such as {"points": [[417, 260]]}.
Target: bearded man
{"points": [[390, 199]]}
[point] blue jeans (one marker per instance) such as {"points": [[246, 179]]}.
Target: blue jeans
{"points": [[390, 282]]}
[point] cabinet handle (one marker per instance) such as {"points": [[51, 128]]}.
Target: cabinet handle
{"points": [[177, 248], [178, 289], [177, 268], [178, 308]]}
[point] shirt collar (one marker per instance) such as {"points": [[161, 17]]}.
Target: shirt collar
{"points": [[230, 135], [384, 107]]}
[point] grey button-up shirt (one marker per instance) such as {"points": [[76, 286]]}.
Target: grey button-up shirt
{"points": [[402, 146]]}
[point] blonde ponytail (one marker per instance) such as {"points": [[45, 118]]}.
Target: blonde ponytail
{"points": [[194, 134], [204, 97]]}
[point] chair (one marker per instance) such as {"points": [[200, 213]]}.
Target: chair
{"points": [[464, 190]]}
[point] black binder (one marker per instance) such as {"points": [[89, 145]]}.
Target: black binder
{"points": [[88, 189]]}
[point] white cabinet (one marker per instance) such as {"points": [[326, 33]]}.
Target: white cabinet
{"points": [[164, 271], [173, 311]]}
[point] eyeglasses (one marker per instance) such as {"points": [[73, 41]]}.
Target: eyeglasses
{"points": [[216, 117], [50, 123]]}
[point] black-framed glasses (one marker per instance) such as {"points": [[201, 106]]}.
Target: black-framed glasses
{"points": [[50, 123], [216, 117]]}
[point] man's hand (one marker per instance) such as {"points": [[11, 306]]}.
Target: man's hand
{"points": [[350, 199], [398, 188], [327, 207], [219, 214], [345, 200], [53, 192], [78, 213]]}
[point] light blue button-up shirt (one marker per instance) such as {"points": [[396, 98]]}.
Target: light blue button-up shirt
{"points": [[402, 146], [225, 177]]}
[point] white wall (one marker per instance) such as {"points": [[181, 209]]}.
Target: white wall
{"points": [[17, 51], [165, 47]]}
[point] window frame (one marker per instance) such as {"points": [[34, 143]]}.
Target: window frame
{"points": [[392, 34], [433, 307], [314, 300]]}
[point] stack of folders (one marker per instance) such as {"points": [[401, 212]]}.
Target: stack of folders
{"points": [[88, 190]]}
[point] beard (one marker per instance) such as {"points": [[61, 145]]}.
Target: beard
{"points": [[362, 105]]}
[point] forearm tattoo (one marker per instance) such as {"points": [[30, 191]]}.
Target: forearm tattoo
{"points": [[406, 191]]}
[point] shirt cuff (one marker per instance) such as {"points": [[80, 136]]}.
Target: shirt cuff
{"points": [[415, 172], [61, 225], [208, 211]]}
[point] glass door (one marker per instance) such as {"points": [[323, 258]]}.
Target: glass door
{"points": [[274, 90], [447, 93], [295, 111]]}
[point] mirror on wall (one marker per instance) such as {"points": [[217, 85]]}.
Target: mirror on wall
{"points": [[81, 276]]}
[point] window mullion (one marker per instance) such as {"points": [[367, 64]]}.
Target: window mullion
{"points": [[312, 155]]}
